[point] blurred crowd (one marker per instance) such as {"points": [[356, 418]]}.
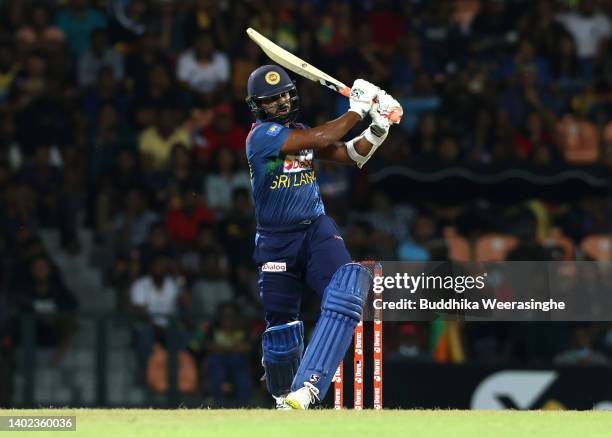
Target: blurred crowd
{"points": [[128, 117]]}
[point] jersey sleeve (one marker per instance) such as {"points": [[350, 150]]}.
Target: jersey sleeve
{"points": [[266, 140]]}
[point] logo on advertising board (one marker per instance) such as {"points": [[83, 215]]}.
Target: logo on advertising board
{"points": [[519, 388]]}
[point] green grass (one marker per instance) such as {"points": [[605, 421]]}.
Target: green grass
{"points": [[413, 423]]}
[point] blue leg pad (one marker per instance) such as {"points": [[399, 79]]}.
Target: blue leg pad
{"points": [[282, 346], [341, 309]]}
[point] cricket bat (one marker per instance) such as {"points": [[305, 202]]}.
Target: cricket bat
{"points": [[291, 62]]}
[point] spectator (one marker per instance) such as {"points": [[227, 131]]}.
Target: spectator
{"points": [[222, 180], [385, 25], [131, 226], [202, 68], [157, 91], [185, 217], [416, 247], [224, 131], [582, 353], [156, 298], [192, 256], [358, 239], [229, 344], [334, 32], [112, 186], [566, 69], [45, 179], [158, 244], [212, 287], [78, 21], [126, 26], [40, 32], [334, 183], [207, 18], [237, 228], [539, 25], [533, 137], [109, 136], [588, 26], [140, 63], [424, 99], [180, 176], [105, 91], [170, 25], [388, 218], [449, 150], [98, 57], [44, 295], [243, 64], [156, 142]]}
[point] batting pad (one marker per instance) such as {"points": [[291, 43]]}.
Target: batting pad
{"points": [[341, 309], [282, 346]]}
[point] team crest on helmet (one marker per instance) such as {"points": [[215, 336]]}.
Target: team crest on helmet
{"points": [[272, 77]]}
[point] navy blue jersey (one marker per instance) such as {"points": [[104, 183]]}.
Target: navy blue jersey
{"points": [[285, 189]]}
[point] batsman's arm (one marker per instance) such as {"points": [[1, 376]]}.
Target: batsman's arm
{"points": [[320, 137], [361, 99], [338, 153], [361, 148]]}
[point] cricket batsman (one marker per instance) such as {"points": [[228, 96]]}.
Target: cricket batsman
{"points": [[296, 243]]}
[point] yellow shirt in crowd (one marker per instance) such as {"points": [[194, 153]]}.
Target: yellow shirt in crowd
{"points": [[156, 148]]}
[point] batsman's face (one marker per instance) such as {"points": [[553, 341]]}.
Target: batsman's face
{"points": [[277, 105]]}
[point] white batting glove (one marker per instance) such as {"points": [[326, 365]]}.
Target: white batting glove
{"points": [[362, 96], [384, 106]]}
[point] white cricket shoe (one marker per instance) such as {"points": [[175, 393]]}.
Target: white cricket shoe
{"points": [[302, 399], [281, 403]]}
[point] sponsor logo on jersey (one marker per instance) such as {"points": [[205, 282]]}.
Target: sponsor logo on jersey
{"points": [[274, 267], [297, 163]]}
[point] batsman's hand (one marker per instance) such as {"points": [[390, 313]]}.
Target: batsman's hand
{"points": [[384, 106], [361, 97]]}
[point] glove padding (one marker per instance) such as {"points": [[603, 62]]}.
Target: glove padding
{"points": [[385, 105], [361, 97]]}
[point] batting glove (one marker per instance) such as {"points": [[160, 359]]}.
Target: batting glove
{"points": [[361, 97], [384, 106]]}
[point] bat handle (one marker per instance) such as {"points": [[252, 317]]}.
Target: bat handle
{"points": [[394, 116]]}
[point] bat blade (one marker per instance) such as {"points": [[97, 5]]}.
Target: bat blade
{"points": [[291, 62]]}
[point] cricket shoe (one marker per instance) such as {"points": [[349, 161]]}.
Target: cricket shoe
{"points": [[302, 399], [281, 403]]}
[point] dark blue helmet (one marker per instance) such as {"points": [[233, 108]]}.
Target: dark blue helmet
{"points": [[267, 82]]}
